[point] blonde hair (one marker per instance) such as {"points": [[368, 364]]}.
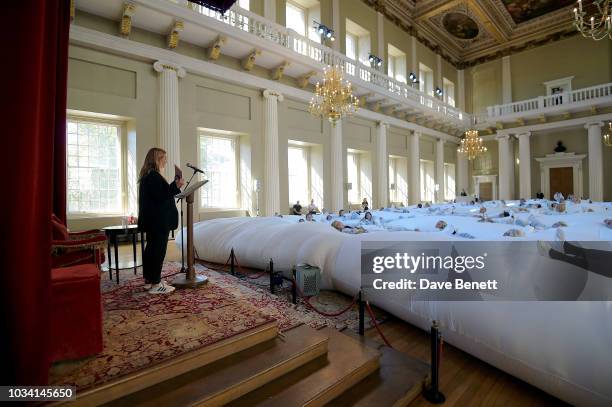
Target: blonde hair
{"points": [[151, 162]]}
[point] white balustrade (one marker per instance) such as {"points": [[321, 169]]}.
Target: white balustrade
{"points": [[245, 20], [544, 104]]}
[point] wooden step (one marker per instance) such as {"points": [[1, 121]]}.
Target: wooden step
{"points": [[177, 366], [399, 380], [319, 382], [221, 382]]}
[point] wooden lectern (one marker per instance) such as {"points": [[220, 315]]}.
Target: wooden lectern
{"points": [[189, 279]]}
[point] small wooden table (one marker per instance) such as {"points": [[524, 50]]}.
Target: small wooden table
{"points": [[112, 232]]}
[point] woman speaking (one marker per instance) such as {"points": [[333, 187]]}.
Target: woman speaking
{"points": [[157, 216]]}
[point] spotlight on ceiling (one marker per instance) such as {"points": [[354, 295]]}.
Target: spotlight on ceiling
{"points": [[216, 5], [375, 60], [324, 31]]}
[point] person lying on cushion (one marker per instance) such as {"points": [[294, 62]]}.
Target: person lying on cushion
{"points": [[341, 227], [594, 260], [368, 219]]}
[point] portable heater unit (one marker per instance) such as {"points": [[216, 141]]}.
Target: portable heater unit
{"points": [[308, 279]]}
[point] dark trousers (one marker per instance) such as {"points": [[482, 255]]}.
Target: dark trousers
{"points": [[597, 261], [154, 254]]}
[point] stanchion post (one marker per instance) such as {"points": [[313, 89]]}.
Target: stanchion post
{"points": [[432, 393], [271, 276], [232, 266], [361, 315], [294, 288]]}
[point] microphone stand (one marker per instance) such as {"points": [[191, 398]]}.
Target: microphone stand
{"points": [[183, 270]]}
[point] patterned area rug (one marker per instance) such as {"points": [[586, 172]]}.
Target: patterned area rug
{"points": [[280, 306], [141, 330]]}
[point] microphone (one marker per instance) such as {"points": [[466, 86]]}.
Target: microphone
{"points": [[196, 169]]}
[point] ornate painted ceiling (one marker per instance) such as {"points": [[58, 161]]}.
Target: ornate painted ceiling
{"points": [[469, 32]]}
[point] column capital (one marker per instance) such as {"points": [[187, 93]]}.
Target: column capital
{"points": [[383, 124], [501, 137], [441, 141], [161, 66], [269, 94], [525, 134], [591, 124]]}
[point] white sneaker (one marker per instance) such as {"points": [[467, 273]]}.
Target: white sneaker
{"points": [[560, 234], [147, 286], [161, 288], [544, 248]]}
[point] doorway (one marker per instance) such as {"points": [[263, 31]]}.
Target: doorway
{"points": [[561, 180], [486, 191]]}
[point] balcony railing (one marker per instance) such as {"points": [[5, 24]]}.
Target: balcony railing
{"points": [[546, 104], [398, 91]]}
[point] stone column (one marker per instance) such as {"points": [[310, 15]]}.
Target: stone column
{"points": [[462, 174], [506, 167], [506, 80], [336, 24], [524, 165], [337, 167], [440, 170], [270, 10], [596, 176], [460, 103], [271, 182], [439, 81], [414, 63], [415, 169], [168, 136], [380, 35], [382, 159]]}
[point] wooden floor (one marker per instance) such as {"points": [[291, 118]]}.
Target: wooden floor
{"points": [[464, 379]]}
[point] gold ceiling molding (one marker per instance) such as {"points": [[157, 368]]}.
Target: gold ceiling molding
{"points": [[502, 31]]}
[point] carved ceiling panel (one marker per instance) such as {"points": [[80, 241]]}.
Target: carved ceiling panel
{"points": [[469, 32]]}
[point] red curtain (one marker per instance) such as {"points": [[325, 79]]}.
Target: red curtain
{"points": [[33, 147]]}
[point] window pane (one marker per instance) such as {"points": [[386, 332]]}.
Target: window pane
{"points": [[93, 172], [428, 182], [449, 177], [298, 176], [392, 180], [352, 161], [218, 160], [391, 67], [296, 19], [351, 46]]}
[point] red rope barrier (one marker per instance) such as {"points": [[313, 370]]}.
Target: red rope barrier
{"points": [[256, 276], [373, 317], [325, 314], [253, 276], [306, 299]]}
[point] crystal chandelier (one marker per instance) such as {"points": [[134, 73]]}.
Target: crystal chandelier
{"points": [[599, 24], [607, 137], [471, 145], [333, 98]]}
